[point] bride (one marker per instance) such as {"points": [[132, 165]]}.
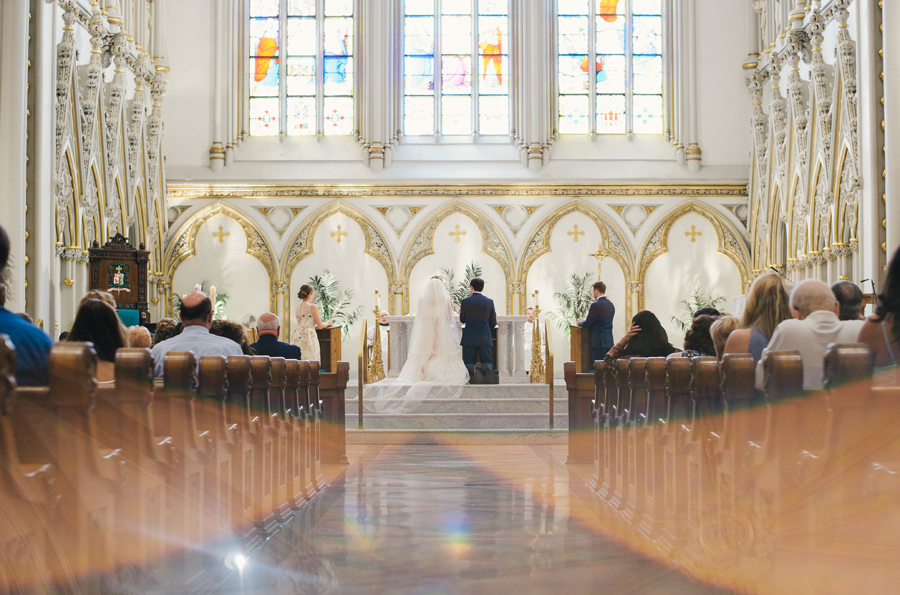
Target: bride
{"points": [[434, 368]]}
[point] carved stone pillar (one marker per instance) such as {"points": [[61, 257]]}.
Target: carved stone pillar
{"points": [[533, 25], [891, 22], [374, 116]]}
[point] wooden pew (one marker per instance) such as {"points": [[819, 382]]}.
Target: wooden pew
{"points": [[674, 453], [598, 410], [617, 427], [333, 413], [240, 413], [27, 494], [314, 406], [635, 438], [124, 417], [700, 467], [653, 430], [608, 483], [731, 535], [281, 434], [307, 415], [580, 392], [219, 478], [264, 439], [177, 415], [294, 415]]}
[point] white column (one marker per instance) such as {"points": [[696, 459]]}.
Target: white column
{"points": [[891, 14], [13, 97], [44, 266], [374, 73], [217, 151], [534, 43]]}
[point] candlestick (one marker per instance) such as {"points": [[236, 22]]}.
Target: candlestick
{"points": [[377, 300], [535, 297]]}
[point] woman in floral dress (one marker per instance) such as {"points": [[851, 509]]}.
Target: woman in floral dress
{"points": [[307, 322]]}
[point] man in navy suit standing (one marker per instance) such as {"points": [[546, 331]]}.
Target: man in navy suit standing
{"points": [[269, 326], [600, 320], [478, 314]]}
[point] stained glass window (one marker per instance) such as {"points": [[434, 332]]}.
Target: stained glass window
{"points": [[464, 46], [621, 42], [315, 93]]}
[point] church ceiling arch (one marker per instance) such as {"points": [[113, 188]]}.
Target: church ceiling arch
{"points": [[729, 240], [184, 244], [492, 244], [301, 244], [539, 242]]}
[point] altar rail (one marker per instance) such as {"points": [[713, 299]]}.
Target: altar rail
{"points": [[111, 481], [781, 490]]}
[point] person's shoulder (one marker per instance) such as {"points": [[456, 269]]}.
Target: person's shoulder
{"points": [[870, 331], [20, 330]]}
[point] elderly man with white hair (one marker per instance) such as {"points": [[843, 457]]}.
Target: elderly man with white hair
{"points": [[814, 327], [269, 327]]}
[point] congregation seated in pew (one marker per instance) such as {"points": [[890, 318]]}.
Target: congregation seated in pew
{"points": [[196, 318], [645, 338], [697, 339], [881, 332], [233, 330], [816, 325]]}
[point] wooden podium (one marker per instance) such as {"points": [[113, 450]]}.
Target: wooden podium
{"points": [[580, 349], [121, 269], [329, 347]]}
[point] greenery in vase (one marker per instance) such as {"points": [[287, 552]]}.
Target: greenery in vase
{"points": [[574, 302], [699, 299], [460, 291], [334, 303]]}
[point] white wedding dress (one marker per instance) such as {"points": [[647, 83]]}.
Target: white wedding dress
{"points": [[434, 368]]}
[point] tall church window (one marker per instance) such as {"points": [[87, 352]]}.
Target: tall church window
{"points": [[301, 67], [622, 39], [463, 46]]}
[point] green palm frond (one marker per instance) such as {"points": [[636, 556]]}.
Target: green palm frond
{"points": [[460, 291], [333, 303], [699, 299], [573, 303]]}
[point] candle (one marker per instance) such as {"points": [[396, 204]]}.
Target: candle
{"points": [[377, 300], [535, 298], [212, 294]]}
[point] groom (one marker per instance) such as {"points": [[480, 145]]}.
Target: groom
{"points": [[478, 314]]}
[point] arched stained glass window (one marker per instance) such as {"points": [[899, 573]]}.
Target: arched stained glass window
{"points": [[464, 45], [622, 39], [306, 86]]}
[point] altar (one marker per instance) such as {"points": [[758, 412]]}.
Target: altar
{"points": [[511, 357]]}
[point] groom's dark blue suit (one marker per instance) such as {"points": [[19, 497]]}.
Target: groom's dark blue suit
{"points": [[478, 314]]}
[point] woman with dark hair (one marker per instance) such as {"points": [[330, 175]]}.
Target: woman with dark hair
{"points": [[234, 331], [308, 321], [98, 323], [166, 328], [645, 338], [881, 332], [697, 339]]}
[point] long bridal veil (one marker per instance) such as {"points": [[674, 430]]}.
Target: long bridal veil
{"points": [[434, 368]]}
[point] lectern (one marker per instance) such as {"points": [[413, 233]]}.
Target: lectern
{"points": [[121, 269], [329, 347], [580, 349]]}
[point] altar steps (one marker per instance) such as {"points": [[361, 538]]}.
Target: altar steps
{"points": [[492, 414]]}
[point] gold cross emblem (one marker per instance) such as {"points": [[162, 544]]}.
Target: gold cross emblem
{"points": [[457, 233], [339, 234], [693, 234], [221, 235], [575, 233]]}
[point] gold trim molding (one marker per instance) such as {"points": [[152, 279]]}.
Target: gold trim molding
{"points": [[197, 191]]}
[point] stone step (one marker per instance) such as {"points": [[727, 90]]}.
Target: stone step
{"points": [[369, 436], [487, 391], [498, 406], [460, 421]]}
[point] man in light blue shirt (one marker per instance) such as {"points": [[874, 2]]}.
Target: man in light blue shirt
{"points": [[196, 318]]}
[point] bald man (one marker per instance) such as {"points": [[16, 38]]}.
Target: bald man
{"points": [[196, 318], [269, 327], [815, 325]]}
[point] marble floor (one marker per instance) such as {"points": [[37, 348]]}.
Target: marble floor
{"points": [[453, 519]]}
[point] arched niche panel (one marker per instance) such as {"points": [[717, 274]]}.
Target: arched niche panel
{"points": [[672, 275], [450, 254], [220, 257], [352, 267], [549, 274], [429, 240]]}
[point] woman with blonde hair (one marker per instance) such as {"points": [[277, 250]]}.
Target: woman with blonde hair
{"points": [[767, 305], [720, 330]]}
